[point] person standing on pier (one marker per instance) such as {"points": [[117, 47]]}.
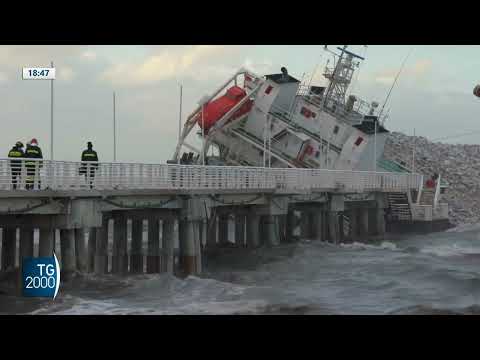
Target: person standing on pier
{"points": [[33, 151], [86, 169], [16, 165]]}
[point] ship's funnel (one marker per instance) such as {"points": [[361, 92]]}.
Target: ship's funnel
{"points": [[285, 73]]}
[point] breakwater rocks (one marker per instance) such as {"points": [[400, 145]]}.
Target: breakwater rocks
{"points": [[458, 165]]}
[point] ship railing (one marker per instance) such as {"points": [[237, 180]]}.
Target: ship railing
{"points": [[437, 192], [191, 119], [283, 115], [64, 175], [421, 212], [343, 180], [429, 212], [354, 116]]}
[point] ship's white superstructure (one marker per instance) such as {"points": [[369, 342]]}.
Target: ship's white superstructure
{"points": [[277, 121], [291, 125]]}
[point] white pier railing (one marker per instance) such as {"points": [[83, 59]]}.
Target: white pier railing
{"points": [[63, 175]]}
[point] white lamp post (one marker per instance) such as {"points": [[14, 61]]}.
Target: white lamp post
{"points": [[204, 100]]}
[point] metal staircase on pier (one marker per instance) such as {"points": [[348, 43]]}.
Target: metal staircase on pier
{"points": [[427, 196], [346, 225], [399, 206]]}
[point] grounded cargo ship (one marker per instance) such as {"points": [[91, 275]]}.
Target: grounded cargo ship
{"points": [[277, 121]]}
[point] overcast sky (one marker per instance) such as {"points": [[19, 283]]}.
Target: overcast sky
{"points": [[433, 94]]}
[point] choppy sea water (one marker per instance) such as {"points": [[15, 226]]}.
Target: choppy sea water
{"points": [[423, 274]]}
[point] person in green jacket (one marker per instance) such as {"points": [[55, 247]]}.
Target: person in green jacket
{"points": [[88, 170], [16, 165], [33, 151]]}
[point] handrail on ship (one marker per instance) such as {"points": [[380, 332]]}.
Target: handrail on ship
{"points": [[359, 110], [69, 175], [189, 123]]}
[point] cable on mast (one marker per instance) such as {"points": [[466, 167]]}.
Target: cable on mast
{"points": [[395, 81]]}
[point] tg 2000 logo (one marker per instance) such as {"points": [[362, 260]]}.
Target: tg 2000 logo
{"points": [[41, 277]]}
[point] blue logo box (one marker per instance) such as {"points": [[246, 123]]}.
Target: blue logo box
{"points": [[41, 277]]}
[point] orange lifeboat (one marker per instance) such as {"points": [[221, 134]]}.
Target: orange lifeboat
{"points": [[216, 109]]}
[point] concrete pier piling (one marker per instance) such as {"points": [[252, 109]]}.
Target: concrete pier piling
{"points": [[167, 245], [153, 247], [291, 222], [305, 225], [380, 222], [363, 224], [26, 244], [311, 225], [333, 227], [136, 253], [91, 249], [341, 228], [67, 252], [203, 233], [240, 230], [46, 241], [325, 227], [318, 224], [101, 248], [81, 250], [212, 229], [198, 246], [282, 223], [200, 232], [9, 248], [354, 230], [253, 230], [223, 229], [120, 254], [188, 248], [271, 230]]}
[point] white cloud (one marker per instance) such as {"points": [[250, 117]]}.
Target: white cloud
{"points": [[198, 62], [89, 55], [417, 70], [16, 57], [66, 73], [259, 67], [421, 67], [3, 77]]}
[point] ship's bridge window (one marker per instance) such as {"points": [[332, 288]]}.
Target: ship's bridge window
{"points": [[306, 112], [335, 129], [358, 141]]}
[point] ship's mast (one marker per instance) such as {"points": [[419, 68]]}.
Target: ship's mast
{"points": [[340, 76]]}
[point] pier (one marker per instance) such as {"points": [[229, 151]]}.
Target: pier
{"points": [[97, 224]]}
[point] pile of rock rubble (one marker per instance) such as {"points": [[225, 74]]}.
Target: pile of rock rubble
{"points": [[457, 164]]}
